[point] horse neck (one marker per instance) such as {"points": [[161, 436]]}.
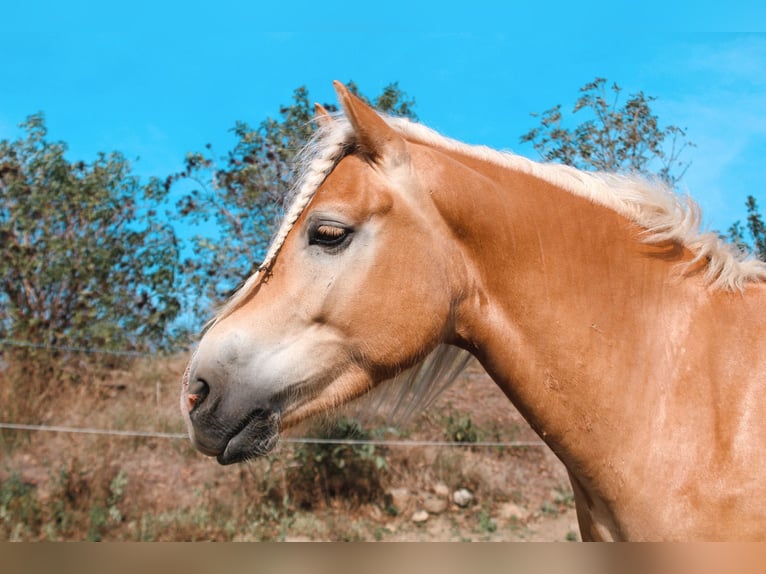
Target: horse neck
{"points": [[559, 296]]}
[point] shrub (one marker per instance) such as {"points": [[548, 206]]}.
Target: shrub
{"points": [[321, 472], [460, 428]]}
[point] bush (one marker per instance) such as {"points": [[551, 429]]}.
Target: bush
{"points": [[81, 505], [459, 428], [321, 472]]}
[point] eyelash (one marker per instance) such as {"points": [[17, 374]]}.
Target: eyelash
{"points": [[327, 235]]}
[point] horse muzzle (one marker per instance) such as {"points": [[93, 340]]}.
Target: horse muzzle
{"points": [[232, 424]]}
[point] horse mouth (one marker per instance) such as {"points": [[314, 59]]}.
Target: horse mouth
{"points": [[256, 436]]}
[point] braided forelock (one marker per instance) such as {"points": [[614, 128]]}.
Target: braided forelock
{"points": [[329, 144]]}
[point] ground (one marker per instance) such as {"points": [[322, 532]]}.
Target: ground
{"points": [[65, 486]]}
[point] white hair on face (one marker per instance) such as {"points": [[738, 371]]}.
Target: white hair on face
{"points": [[315, 161]]}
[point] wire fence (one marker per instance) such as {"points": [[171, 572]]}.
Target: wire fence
{"points": [[288, 440], [178, 436], [28, 345]]}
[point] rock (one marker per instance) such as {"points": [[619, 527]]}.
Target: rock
{"points": [[462, 497], [400, 498], [420, 517], [441, 489], [435, 504], [510, 511]]}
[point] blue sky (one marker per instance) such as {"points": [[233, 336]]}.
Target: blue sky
{"points": [[158, 79]]}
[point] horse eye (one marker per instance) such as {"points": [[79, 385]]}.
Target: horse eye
{"points": [[328, 235]]}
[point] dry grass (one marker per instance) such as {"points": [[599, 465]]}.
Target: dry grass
{"points": [[58, 486]]}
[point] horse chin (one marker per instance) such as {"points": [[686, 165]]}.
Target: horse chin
{"points": [[257, 437]]}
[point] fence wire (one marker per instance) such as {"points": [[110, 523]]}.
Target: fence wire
{"points": [[178, 436], [288, 440], [28, 345]]}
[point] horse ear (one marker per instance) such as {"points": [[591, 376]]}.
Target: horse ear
{"points": [[375, 137], [321, 116]]}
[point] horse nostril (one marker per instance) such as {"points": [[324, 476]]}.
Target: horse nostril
{"points": [[197, 392]]}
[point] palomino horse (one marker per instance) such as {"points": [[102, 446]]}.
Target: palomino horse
{"points": [[634, 344]]}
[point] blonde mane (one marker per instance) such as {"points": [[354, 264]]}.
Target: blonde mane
{"points": [[664, 215]]}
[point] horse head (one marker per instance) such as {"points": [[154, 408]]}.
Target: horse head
{"points": [[354, 294]]}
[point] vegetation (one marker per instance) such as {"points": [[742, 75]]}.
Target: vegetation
{"points": [[627, 138], [324, 471], [755, 229], [81, 505], [612, 137], [460, 428], [87, 260], [90, 487]]}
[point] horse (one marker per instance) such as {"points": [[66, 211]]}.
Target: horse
{"points": [[633, 342]]}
